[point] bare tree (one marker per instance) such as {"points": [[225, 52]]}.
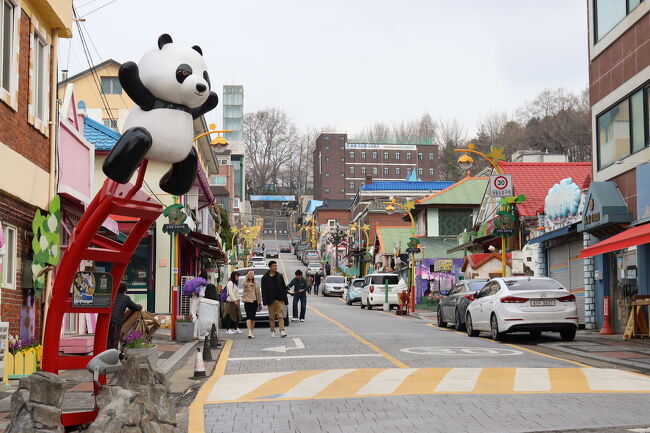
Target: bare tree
{"points": [[270, 137]]}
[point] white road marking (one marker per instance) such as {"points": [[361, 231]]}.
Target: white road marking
{"points": [[283, 349], [459, 380], [315, 384], [234, 387], [387, 381], [304, 357], [609, 379], [532, 379]]}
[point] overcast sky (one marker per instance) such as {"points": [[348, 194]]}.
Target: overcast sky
{"points": [[348, 63]]}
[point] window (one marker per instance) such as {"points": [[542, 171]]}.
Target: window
{"points": [[623, 129], [386, 171], [327, 190], [342, 174], [363, 170], [398, 170], [420, 171], [342, 159], [218, 180], [363, 154], [608, 13], [342, 190], [397, 156], [342, 147], [110, 123], [327, 137], [374, 154], [352, 185], [420, 156], [111, 86], [408, 155], [327, 147], [352, 170], [341, 138], [430, 156], [374, 170], [351, 154], [8, 258], [6, 43], [385, 156], [430, 172], [327, 175], [41, 79], [327, 159]]}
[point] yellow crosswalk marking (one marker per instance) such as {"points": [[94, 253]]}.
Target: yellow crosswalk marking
{"points": [[496, 381], [423, 380], [568, 380], [350, 383], [280, 385]]}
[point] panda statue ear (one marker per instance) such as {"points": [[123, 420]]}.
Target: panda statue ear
{"points": [[197, 49], [163, 40]]}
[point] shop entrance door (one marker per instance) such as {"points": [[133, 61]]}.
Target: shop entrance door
{"points": [[623, 285]]}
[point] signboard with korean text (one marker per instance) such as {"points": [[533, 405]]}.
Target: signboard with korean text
{"points": [[92, 289], [501, 186]]}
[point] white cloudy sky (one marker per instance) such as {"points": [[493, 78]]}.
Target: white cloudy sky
{"points": [[347, 63]]}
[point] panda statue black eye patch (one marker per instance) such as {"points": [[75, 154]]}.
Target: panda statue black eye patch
{"points": [[182, 72], [206, 77]]}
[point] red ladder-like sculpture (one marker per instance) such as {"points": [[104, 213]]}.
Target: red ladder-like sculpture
{"points": [[87, 244]]}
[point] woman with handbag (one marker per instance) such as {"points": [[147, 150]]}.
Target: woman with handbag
{"points": [[252, 297], [232, 314]]}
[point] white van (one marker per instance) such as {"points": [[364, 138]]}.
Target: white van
{"points": [[373, 291]]}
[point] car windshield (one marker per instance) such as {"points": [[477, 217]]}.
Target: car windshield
{"points": [[381, 279], [338, 280], [476, 286], [534, 284]]}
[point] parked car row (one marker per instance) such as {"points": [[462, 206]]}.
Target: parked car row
{"points": [[370, 290], [512, 304]]}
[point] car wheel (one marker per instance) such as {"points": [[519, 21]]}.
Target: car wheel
{"points": [[441, 322], [568, 334], [368, 304], [362, 305], [535, 334], [348, 302], [457, 323], [471, 332], [494, 328]]}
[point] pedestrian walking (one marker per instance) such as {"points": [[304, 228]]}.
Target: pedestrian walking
{"points": [[232, 312], [274, 294], [195, 289], [252, 297], [299, 284], [328, 268], [122, 302], [317, 279], [310, 283]]}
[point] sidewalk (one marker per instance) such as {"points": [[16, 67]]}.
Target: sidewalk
{"points": [[634, 353], [173, 357]]}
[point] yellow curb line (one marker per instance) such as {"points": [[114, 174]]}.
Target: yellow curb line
{"points": [[374, 347], [196, 419]]}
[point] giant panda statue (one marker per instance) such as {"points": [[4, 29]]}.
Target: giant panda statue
{"points": [[170, 87]]}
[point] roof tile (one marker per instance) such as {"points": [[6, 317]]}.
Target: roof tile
{"points": [[401, 185], [102, 137]]}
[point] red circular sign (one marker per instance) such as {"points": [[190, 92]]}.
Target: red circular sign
{"points": [[500, 182]]}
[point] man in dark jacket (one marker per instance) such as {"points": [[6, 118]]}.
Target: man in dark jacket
{"points": [[299, 285], [122, 302], [274, 295]]}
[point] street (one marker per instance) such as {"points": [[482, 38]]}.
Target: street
{"points": [[346, 369]]}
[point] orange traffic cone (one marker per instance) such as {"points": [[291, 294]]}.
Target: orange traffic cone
{"points": [[199, 367]]}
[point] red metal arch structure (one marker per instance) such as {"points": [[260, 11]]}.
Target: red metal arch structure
{"points": [[86, 244]]}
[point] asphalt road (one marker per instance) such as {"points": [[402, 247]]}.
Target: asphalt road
{"points": [[351, 370]]}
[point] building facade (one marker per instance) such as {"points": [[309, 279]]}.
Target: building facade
{"points": [[619, 92], [341, 164]]}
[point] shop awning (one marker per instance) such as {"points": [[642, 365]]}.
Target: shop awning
{"points": [[550, 235], [632, 236], [205, 243]]}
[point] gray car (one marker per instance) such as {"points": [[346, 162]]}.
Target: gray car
{"points": [[452, 307]]}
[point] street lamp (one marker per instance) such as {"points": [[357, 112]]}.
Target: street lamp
{"points": [[465, 161], [335, 237], [407, 207]]}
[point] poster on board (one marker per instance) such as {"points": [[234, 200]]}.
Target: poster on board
{"points": [[92, 289]]}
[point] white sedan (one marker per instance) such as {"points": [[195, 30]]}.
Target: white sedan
{"points": [[514, 304]]}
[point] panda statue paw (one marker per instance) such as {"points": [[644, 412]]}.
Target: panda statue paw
{"points": [[180, 177]]}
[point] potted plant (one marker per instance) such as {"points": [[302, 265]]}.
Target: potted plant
{"points": [[136, 342], [184, 328]]}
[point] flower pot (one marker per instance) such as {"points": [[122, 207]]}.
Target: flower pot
{"points": [[149, 352], [184, 331]]}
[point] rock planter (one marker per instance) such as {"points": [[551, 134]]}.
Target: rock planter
{"points": [[184, 331], [151, 353]]}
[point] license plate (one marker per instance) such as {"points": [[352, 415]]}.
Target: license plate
{"points": [[542, 302]]}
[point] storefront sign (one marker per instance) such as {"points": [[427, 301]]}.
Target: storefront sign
{"points": [[175, 228], [352, 146], [604, 207], [177, 216], [443, 265], [92, 289], [504, 224], [563, 205]]}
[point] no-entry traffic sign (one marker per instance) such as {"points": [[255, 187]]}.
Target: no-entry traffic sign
{"points": [[501, 186]]}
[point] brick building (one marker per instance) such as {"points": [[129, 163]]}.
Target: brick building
{"points": [[341, 164], [28, 53]]}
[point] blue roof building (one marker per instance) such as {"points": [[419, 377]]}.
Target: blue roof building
{"points": [[102, 137]]}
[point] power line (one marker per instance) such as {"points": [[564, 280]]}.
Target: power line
{"points": [[86, 4], [101, 7]]}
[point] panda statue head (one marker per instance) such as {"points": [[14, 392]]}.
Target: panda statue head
{"points": [[176, 74]]}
